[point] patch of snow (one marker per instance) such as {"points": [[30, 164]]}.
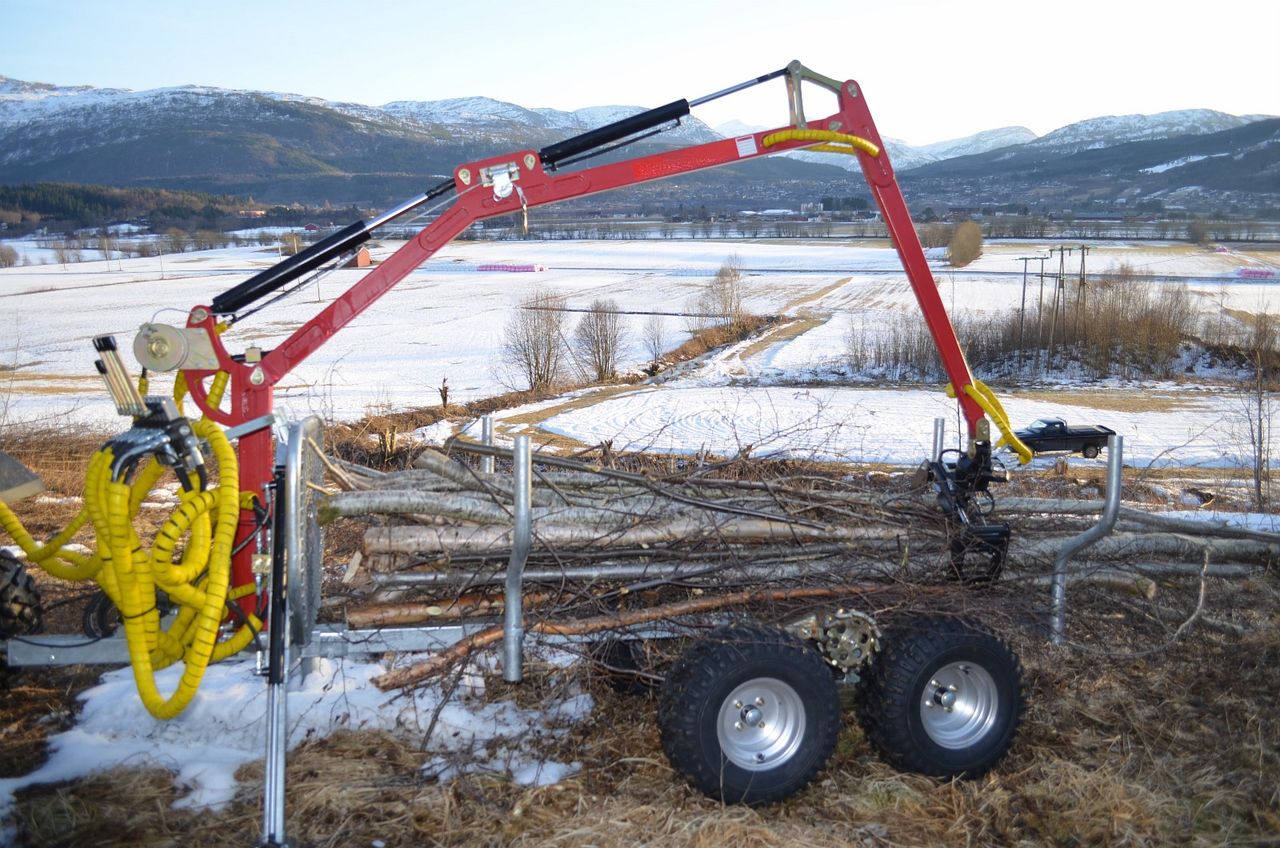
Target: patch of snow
{"points": [[434, 434], [1176, 163], [224, 727]]}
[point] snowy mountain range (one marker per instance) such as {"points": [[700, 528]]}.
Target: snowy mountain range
{"points": [[289, 147], [485, 113]]}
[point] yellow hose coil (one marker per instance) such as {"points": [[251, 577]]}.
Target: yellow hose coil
{"points": [[836, 142], [199, 582]]}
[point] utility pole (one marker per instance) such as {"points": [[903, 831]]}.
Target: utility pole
{"points": [[1040, 311], [1082, 299], [1058, 295], [1022, 310]]}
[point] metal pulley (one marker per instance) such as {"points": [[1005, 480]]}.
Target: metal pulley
{"points": [[161, 347]]}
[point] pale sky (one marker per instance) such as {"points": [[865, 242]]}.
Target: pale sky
{"points": [[931, 69]]}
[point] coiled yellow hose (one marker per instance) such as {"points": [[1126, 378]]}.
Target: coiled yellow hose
{"points": [[836, 142], [199, 582]]}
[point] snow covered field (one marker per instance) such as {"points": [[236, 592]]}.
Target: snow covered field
{"points": [[446, 320]]}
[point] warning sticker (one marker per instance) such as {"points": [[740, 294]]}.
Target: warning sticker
{"points": [[746, 146]]}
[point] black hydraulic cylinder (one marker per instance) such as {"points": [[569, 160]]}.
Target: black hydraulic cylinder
{"points": [[592, 139], [283, 273]]}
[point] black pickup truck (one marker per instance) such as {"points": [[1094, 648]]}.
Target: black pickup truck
{"points": [[1052, 435]]}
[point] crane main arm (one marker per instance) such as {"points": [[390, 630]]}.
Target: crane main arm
{"points": [[514, 183]]}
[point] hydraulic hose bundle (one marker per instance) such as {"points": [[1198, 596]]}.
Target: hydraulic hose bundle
{"points": [[131, 575]]}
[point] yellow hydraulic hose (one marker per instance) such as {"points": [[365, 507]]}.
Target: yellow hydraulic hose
{"points": [[836, 142], [130, 574], [985, 398]]}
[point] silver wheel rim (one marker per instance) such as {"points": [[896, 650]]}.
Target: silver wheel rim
{"points": [[959, 705], [761, 724]]}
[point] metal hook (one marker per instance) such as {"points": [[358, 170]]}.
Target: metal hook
{"points": [[524, 209]]}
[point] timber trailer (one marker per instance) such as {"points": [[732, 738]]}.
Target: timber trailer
{"points": [[748, 714]]}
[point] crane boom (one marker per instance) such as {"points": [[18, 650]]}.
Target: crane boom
{"points": [[521, 180]]}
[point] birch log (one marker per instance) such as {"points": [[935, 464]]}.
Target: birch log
{"points": [[429, 540]]}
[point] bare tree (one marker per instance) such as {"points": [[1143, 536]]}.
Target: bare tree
{"points": [[179, 242], [66, 252], [720, 301], [1198, 231], [533, 341], [655, 338], [107, 245], [965, 245], [1264, 359], [599, 338]]}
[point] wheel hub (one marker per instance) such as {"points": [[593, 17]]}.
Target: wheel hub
{"points": [[761, 724], [959, 705]]}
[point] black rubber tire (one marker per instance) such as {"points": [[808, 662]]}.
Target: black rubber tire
{"points": [[696, 697], [1089, 451], [891, 700], [623, 667], [100, 618], [20, 610]]}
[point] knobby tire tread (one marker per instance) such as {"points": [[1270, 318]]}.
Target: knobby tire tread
{"points": [[887, 696], [20, 611], [699, 671]]}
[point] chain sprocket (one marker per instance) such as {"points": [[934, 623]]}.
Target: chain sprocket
{"points": [[848, 639]]}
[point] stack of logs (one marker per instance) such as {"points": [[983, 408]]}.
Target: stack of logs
{"points": [[739, 531], [455, 523]]}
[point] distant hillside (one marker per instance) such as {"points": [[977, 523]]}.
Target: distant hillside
{"points": [[282, 148], [1121, 129], [1188, 170]]}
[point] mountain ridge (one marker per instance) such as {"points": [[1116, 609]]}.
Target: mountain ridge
{"points": [[290, 146]]}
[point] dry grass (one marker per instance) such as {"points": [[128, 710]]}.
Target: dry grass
{"points": [[1112, 401], [1098, 764], [1177, 748], [793, 329]]}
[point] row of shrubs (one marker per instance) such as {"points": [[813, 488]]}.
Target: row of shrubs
{"points": [[1120, 326]]}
